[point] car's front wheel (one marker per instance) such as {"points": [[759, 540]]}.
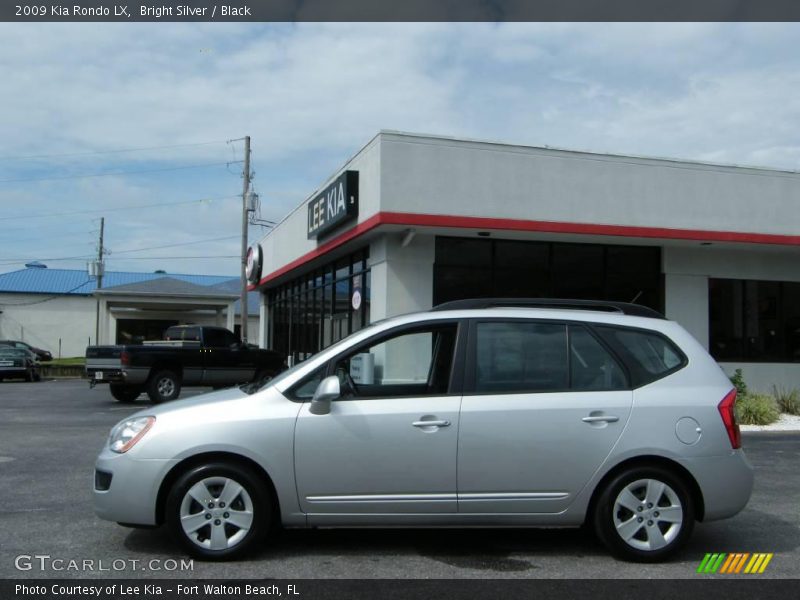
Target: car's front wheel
{"points": [[218, 511], [644, 514]]}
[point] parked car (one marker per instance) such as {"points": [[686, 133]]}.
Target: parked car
{"points": [[188, 355], [42, 355], [477, 413], [20, 363]]}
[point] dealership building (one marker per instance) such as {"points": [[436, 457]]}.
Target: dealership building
{"points": [[412, 221]]}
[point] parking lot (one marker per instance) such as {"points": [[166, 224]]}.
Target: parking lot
{"points": [[50, 433]]}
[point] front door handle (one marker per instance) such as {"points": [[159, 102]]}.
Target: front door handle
{"points": [[431, 423], [600, 419]]}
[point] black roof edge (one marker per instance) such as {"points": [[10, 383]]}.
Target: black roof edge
{"points": [[626, 308]]}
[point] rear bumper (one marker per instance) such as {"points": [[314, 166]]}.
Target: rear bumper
{"points": [[129, 376], [726, 483]]}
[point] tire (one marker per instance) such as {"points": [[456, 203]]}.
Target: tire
{"points": [[29, 375], [124, 393], [164, 386], [230, 531], [37, 376], [641, 521]]}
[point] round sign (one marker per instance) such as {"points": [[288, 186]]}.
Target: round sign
{"points": [[253, 265], [356, 300]]}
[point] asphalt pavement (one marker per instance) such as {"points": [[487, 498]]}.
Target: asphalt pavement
{"points": [[50, 433]]}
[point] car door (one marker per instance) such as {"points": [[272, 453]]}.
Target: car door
{"points": [[543, 406], [388, 445]]}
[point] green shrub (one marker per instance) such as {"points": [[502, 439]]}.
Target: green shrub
{"points": [[757, 409], [737, 379], [788, 399]]}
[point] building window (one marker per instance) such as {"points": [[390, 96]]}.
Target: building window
{"points": [[470, 268], [315, 310], [756, 321]]}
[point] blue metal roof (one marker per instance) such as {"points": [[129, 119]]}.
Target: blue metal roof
{"points": [[74, 281]]}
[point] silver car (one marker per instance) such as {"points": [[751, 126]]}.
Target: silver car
{"points": [[476, 413]]}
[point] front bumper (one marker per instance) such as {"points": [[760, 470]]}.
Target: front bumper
{"points": [[132, 492]]}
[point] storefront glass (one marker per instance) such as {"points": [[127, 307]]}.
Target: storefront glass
{"points": [[321, 307]]}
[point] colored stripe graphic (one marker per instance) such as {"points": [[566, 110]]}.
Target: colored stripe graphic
{"points": [[720, 562], [740, 564], [711, 563]]}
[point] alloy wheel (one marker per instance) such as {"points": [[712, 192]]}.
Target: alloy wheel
{"points": [[648, 514], [216, 513]]}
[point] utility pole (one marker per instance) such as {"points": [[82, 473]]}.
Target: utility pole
{"points": [[99, 281], [245, 190]]}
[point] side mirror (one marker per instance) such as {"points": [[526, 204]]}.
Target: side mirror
{"points": [[327, 390]]}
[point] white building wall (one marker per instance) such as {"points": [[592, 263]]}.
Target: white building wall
{"points": [[42, 324], [71, 319], [452, 177], [402, 277]]}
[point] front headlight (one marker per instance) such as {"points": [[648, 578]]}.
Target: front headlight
{"points": [[127, 433]]}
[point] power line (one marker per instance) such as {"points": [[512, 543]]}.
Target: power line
{"points": [[115, 253], [174, 245], [119, 151], [168, 257], [109, 173], [105, 210]]}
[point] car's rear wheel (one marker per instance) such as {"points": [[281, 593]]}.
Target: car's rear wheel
{"points": [[219, 511], [164, 386], [29, 375], [124, 393], [644, 514]]}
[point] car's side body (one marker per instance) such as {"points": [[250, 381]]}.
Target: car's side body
{"points": [[490, 458]]}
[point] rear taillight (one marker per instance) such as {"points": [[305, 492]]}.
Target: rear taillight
{"points": [[727, 411], [125, 358]]}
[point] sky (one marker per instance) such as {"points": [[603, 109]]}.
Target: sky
{"points": [[138, 123]]}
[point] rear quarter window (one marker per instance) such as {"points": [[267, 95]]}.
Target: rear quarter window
{"points": [[649, 355]]}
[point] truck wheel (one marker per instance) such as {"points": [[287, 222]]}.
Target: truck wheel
{"points": [[219, 511], [164, 386], [125, 393]]}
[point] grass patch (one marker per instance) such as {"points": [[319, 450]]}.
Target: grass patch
{"points": [[757, 409], [788, 399], [75, 361]]}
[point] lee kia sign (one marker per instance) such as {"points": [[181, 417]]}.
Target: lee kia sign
{"points": [[334, 205]]}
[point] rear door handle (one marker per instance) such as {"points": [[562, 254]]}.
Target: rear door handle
{"points": [[600, 419], [431, 423]]}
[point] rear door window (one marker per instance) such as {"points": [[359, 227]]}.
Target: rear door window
{"points": [[519, 356], [591, 366]]}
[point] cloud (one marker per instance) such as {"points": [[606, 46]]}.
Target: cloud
{"points": [[311, 95]]}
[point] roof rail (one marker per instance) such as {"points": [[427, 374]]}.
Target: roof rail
{"points": [[626, 308]]}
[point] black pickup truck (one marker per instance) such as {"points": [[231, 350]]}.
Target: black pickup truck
{"points": [[188, 355]]}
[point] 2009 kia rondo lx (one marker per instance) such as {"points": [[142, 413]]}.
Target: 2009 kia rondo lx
{"points": [[476, 413]]}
